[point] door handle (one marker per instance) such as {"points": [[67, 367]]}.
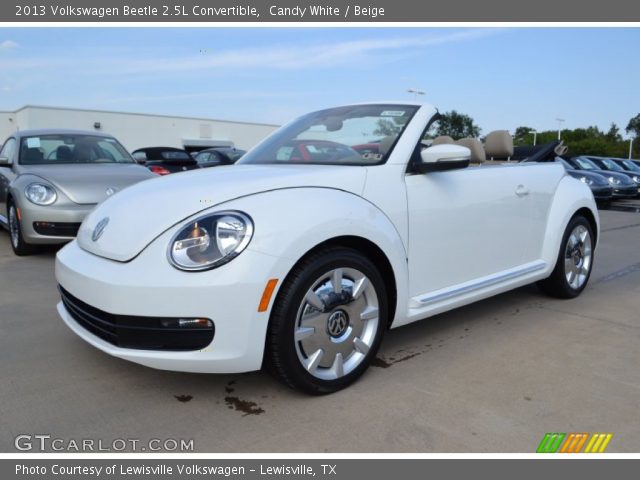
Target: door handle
{"points": [[522, 191]]}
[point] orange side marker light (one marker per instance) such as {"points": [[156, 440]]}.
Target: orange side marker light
{"points": [[266, 295]]}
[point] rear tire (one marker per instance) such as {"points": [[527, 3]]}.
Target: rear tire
{"points": [[574, 262], [19, 246], [327, 321]]}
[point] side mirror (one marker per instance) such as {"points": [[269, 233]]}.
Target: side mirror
{"points": [[5, 162], [443, 157], [140, 157]]}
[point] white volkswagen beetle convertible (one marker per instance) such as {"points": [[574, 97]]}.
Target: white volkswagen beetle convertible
{"points": [[335, 228]]}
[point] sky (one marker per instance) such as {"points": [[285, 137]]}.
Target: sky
{"points": [[502, 77]]}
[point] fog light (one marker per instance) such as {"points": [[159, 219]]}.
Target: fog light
{"points": [[188, 323]]}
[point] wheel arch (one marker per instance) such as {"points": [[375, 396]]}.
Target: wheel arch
{"points": [[373, 252], [588, 214], [571, 198]]}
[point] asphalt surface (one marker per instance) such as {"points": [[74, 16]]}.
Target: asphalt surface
{"points": [[491, 377]]}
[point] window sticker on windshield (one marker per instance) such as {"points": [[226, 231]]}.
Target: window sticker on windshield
{"points": [[33, 142], [393, 113]]}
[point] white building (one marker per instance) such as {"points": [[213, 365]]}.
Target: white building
{"points": [[138, 130]]}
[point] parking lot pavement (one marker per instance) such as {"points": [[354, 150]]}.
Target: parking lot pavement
{"points": [[491, 377]]}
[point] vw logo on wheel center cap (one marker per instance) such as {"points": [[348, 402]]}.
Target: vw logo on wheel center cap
{"points": [[99, 230], [337, 323]]}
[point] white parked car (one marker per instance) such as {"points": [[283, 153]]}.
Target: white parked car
{"points": [[305, 252]]}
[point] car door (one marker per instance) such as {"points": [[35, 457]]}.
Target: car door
{"points": [[465, 225], [6, 174]]}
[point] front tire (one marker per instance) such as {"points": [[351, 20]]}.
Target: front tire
{"points": [[19, 246], [575, 261], [327, 322]]}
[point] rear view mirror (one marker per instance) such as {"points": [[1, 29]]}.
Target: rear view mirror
{"points": [[443, 157], [5, 162]]}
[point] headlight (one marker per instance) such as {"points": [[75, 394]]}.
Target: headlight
{"points": [[586, 180], [636, 179], [210, 241], [614, 181], [40, 194]]}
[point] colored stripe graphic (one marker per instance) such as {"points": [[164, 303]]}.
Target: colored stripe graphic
{"points": [[598, 443], [550, 443], [573, 442]]}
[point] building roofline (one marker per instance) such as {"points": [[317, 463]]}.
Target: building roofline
{"points": [[119, 112]]}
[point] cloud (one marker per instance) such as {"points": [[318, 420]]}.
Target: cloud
{"points": [[371, 51], [295, 57], [8, 45]]}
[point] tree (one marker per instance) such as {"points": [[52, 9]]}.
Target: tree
{"points": [[613, 135], [523, 136], [633, 128], [457, 125], [387, 128]]}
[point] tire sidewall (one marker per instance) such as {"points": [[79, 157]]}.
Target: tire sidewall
{"points": [[289, 308], [22, 248]]}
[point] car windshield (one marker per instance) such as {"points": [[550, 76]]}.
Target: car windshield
{"points": [[328, 137], [566, 164], [585, 164], [631, 166], [611, 165], [234, 154], [71, 148]]}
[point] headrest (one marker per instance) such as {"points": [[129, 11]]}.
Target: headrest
{"points": [[477, 150], [385, 144], [443, 140], [33, 155], [63, 153], [499, 145], [561, 149]]}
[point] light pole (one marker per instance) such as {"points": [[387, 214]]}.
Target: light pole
{"points": [[535, 135], [416, 92], [559, 120]]}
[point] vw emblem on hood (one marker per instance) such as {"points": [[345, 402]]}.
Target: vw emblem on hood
{"points": [[110, 191], [98, 231]]}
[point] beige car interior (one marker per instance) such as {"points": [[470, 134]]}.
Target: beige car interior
{"points": [[497, 148]]}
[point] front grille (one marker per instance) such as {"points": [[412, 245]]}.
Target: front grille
{"points": [[143, 333], [56, 229]]}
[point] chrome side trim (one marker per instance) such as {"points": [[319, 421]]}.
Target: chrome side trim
{"points": [[445, 294]]}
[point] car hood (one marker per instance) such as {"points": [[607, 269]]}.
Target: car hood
{"points": [[143, 212], [87, 184], [624, 179], [597, 179]]}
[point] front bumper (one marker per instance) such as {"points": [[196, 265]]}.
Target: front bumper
{"points": [[51, 224], [148, 286], [625, 192], [602, 193]]}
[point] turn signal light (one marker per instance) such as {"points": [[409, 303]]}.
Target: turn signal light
{"points": [[187, 323]]}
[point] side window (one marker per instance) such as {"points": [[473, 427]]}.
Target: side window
{"points": [[8, 148], [203, 157], [215, 158]]}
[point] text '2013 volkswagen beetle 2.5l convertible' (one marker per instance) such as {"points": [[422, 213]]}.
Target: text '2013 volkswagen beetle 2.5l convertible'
{"points": [[303, 262]]}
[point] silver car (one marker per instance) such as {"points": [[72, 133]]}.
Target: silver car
{"points": [[51, 179]]}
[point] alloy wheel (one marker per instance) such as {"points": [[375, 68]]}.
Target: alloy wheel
{"points": [[336, 323], [577, 257]]}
